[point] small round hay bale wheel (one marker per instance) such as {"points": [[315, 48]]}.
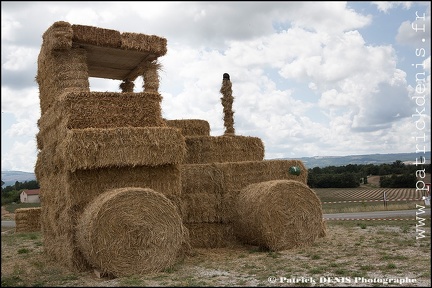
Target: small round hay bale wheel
{"points": [[132, 230], [278, 215]]}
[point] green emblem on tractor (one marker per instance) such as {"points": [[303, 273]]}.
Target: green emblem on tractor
{"points": [[294, 170]]}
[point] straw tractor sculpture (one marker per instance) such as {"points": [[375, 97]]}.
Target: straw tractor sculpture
{"points": [[125, 191]]}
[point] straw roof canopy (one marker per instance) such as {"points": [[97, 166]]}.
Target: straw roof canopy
{"points": [[110, 53]]}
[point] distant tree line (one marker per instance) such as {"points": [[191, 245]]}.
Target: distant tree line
{"points": [[12, 193], [398, 181], [395, 175]]}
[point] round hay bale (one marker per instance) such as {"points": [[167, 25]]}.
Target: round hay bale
{"points": [[278, 215], [129, 231]]}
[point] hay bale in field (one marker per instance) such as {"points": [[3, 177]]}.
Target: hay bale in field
{"points": [[212, 149], [278, 215], [191, 127], [238, 175], [28, 219], [131, 231]]}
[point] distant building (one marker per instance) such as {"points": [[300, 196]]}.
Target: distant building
{"points": [[30, 196], [424, 161]]}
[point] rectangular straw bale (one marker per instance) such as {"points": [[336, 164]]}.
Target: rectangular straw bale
{"points": [[201, 207], [65, 194], [46, 167], [58, 220], [28, 214], [52, 132], [84, 185], [211, 235], [110, 110], [201, 193], [63, 249], [59, 72], [52, 190], [119, 147], [28, 219], [58, 213], [228, 206], [238, 175], [201, 178], [191, 127], [96, 36], [212, 149], [59, 216], [57, 37], [62, 220], [78, 110], [146, 43]]}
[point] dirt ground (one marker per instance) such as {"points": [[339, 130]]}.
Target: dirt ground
{"points": [[352, 254], [6, 215]]}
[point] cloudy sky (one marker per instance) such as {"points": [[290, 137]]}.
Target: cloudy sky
{"points": [[309, 78]]}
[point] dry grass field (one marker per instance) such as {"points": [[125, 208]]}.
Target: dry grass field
{"points": [[363, 199], [354, 253]]}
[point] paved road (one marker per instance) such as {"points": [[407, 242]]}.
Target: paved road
{"points": [[7, 223], [356, 215], [380, 214]]}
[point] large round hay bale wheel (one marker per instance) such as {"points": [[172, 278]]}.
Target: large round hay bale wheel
{"points": [[131, 231], [278, 215]]}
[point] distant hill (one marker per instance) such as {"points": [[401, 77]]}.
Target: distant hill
{"points": [[377, 159], [10, 177]]}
